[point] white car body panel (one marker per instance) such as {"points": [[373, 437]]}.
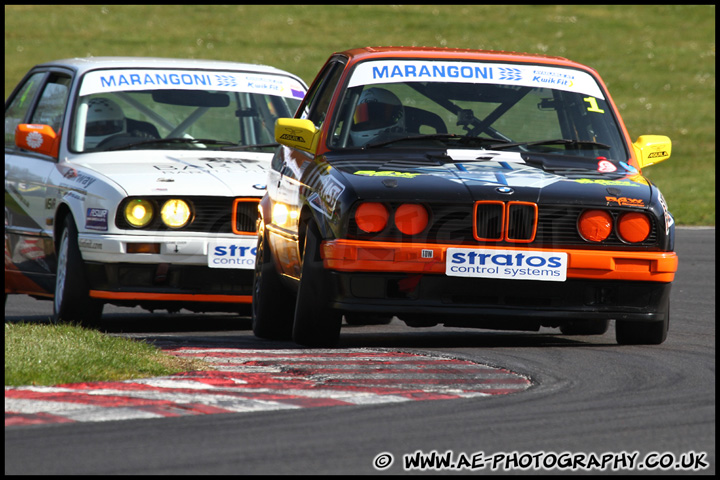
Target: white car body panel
{"points": [[90, 183], [179, 172]]}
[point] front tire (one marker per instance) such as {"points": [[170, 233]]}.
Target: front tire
{"points": [[316, 323], [72, 302], [643, 333], [272, 303]]}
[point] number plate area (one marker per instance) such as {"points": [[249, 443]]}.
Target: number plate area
{"points": [[507, 264], [238, 253]]}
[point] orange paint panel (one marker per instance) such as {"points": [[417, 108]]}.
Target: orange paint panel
{"points": [[37, 138], [374, 254], [633, 265], [170, 297]]}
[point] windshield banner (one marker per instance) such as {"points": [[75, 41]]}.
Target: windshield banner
{"points": [[396, 71], [127, 80]]}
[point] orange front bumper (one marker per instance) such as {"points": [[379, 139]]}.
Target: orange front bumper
{"points": [[369, 256]]}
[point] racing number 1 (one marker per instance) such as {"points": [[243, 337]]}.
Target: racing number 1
{"points": [[593, 105]]}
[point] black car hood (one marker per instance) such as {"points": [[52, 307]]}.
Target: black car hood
{"points": [[472, 175]]}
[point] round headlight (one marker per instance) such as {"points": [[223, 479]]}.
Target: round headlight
{"points": [[411, 218], [371, 217], [175, 213], [595, 225], [634, 227], [138, 213]]}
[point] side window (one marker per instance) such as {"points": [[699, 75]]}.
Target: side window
{"points": [[17, 111], [51, 107], [318, 99], [304, 109]]}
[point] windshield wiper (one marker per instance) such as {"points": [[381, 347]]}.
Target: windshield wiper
{"points": [[172, 140], [556, 141], [464, 139]]}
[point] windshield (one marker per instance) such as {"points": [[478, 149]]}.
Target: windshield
{"points": [[475, 105], [171, 109]]}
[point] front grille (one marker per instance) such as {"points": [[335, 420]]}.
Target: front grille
{"points": [[209, 214], [245, 215], [521, 222], [489, 219], [498, 223], [513, 222]]}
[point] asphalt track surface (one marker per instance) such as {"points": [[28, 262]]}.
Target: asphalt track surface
{"points": [[577, 399]]}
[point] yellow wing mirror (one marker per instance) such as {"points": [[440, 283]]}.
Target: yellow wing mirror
{"points": [[652, 149], [37, 138], [297, 133]]}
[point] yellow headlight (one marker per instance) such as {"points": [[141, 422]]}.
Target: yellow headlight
{"points": [[175, 213], [283, 216], [138, 213], [280, 214]]}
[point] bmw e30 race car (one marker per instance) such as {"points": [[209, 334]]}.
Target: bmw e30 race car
{"points": [[469, 188], [136, 181]]}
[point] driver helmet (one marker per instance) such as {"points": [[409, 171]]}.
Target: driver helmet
{"points": [[105, 118], [378, 111]]}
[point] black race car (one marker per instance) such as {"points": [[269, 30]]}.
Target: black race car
{"points": [[468, 188]]}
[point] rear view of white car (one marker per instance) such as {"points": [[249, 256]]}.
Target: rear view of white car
{"points": [[136, 181]]}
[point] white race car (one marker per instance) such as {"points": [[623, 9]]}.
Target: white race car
{"points": [[136, 181]]}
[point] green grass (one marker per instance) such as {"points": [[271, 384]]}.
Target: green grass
{"points": [[658, 62], [41, 354]]}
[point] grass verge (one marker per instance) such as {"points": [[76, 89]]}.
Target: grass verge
{"points": [[42, 354]]}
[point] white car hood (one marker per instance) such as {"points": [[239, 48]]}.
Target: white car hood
{"points": [[181, 172]]}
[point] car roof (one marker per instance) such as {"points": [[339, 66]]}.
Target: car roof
{"points": [[366, 53], [84, 64]]}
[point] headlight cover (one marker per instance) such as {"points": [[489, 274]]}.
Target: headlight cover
{"points": [[175, 213], [139, 212]]}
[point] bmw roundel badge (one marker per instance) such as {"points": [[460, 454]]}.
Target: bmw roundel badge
{"points": [[505, 190]]}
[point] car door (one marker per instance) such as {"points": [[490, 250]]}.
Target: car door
{"points": [[289, 166], [41, 98]]}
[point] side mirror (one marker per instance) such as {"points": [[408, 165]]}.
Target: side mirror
{"points": [[38, 138], [652, 149], [297, 133]]}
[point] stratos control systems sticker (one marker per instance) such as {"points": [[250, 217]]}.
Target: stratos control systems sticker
{"points": [[238, 253], [507, 264]]}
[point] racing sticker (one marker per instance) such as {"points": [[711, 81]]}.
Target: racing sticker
{"points": [[151, 79], [96, 219], [325, 201], [238, 253], [507, 264], [396, 71]]}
